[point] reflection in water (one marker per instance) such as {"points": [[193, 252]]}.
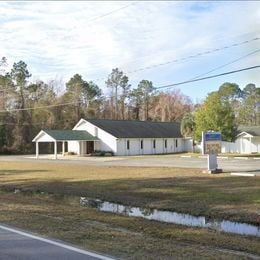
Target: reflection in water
{"points": [[172, 217]]}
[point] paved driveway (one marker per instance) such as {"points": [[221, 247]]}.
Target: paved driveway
{"points": [[18, 245], [227, 164]]}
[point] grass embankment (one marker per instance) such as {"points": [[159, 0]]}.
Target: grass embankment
{"points": [[49, 204]]}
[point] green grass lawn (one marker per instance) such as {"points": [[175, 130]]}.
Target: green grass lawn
{"points": [[49, 205]]}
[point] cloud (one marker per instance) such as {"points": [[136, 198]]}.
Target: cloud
{"points": [[92, 37]]}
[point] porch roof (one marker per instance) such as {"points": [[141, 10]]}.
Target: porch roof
{"points": [[66, 135]]}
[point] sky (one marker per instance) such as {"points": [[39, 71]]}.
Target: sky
{"points": [[165, 42]]}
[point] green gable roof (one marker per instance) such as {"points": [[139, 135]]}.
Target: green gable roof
{"points": [[70, 135]]}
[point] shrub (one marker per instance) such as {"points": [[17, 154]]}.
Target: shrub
{"points": [[70, 153], [102, 153]]}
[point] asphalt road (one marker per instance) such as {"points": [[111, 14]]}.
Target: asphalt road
{"points": [[18, 245], [227, 164], [248, 165]]}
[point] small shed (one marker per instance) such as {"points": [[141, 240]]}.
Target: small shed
{"points": [[54, 136], [248, 139]]}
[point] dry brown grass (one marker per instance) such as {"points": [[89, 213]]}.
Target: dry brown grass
{"points": [[49, 204]]}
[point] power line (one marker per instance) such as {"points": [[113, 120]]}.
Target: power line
{"points": [[209, 77], [166, 86], [33, 124], [193, 56], [226, 64], [188, 57], [111, 12], [41, 107]]}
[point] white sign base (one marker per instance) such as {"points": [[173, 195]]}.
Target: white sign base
{"points": [[212, 162]]}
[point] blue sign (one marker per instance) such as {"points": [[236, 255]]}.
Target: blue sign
{"points": [[212, 136]]}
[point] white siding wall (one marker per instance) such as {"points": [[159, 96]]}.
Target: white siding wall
{"points": [[73, 146], [147, 146], [119, 146], [110, 143], [250, 147], [245, 145], [135, 146], [180, 145], [256, 145], [97, 146], [159, 146], [43, 137]]}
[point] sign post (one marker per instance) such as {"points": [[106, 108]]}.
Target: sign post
{"points": [[211, 143]]}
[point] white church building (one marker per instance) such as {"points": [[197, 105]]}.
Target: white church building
{"points": [[121, 137], [124, 137]]}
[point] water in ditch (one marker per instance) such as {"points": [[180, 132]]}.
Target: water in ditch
{"points": [[173, 217]]}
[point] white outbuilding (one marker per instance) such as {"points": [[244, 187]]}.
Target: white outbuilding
{"points": [[247, 141]]}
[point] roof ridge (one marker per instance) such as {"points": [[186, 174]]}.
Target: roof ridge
{"points": [[122, 120]]}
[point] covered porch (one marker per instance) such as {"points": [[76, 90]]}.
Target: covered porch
{"points": [[86, 141]]}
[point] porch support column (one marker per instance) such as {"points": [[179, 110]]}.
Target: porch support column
{"points": [[37, 149], [81, 148], [63, 148], [55, 150], [250, 140]]}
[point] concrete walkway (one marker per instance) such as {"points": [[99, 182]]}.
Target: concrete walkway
{"points": [[19, 245]]}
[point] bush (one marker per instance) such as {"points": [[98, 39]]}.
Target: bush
{"points": [[102, 153], [70, 153]]}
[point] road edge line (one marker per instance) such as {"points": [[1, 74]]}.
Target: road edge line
{"points": [[81, 251]]}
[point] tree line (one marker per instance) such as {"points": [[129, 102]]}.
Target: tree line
{"points": [[26, 107], [224, 111]]}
